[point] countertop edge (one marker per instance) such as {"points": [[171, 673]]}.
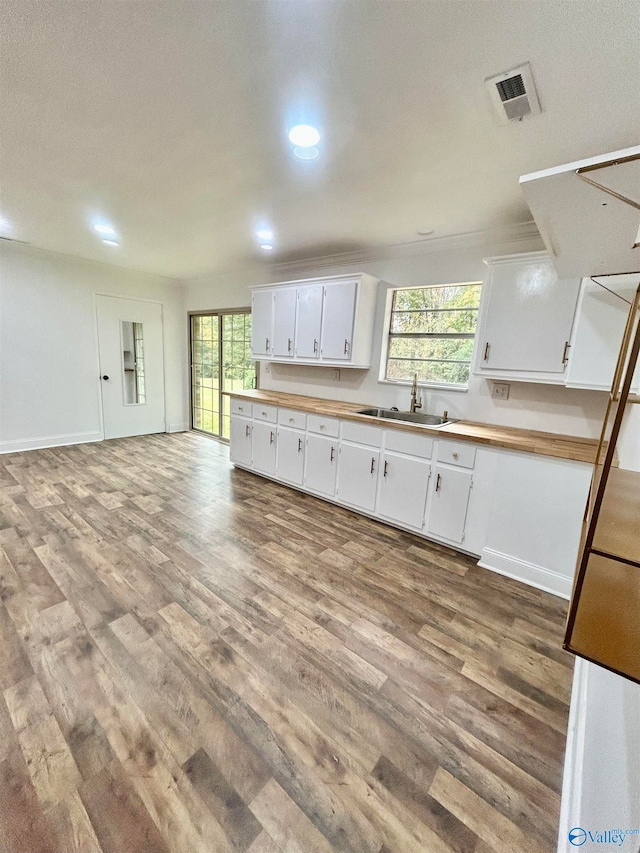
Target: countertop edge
{"points": [[509, 438]]}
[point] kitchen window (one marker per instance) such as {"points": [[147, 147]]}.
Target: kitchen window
{"points": [[431, 332]]}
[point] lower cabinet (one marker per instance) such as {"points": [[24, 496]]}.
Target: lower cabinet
{"points": [[358, 475], [321, 465], [449, 503], [264, 447], [290, 466], [240, 440], [402, 495]]}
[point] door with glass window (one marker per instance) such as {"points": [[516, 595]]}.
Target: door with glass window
{"points": [[131, 366], [220, 361]]}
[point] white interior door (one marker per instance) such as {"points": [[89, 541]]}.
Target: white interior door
{"points": [[131, 366]]}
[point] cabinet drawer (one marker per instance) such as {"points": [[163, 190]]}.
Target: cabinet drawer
{"points": [[323, 426], [457, 453], [240, 407], [361, 434], [291, 418], [265, 413], [409, 442]]}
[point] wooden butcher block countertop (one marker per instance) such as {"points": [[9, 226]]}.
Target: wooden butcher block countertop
{"points": [[512, 438]]}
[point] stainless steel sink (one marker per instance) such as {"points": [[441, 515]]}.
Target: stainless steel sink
{"points": [[409, 417]]}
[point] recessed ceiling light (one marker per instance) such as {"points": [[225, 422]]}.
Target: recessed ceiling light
{"points": [[111, 242], [424, 232], [304, 135], [104, 230], [306, 153], [264, 234], [266, 247]]}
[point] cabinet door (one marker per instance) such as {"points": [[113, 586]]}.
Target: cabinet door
{"points": [[309, 321], [261, 322], [337, 320], [240, 440], [284, 321], [264, 447], [449, 503], [358, 475], [321, 464], [528, 318], [290, 455], [403, 489], [600, 322]]}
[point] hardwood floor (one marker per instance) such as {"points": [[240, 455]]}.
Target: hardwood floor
{"points": [[195, 659]]}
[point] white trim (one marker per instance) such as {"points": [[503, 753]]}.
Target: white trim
{"points": [[529, 573], [573, 778], [17, 445], [505, 235]]}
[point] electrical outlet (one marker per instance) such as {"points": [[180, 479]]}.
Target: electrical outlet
{"points": [[500, 390], [267, 367], [336, 374]]}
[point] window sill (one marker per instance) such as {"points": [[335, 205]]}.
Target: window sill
{"points": [[440, 386]]}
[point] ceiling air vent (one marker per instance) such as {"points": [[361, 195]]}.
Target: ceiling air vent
{"points": [[513, 94]]}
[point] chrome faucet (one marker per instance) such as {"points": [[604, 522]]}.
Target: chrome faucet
{"points": [[415, 402]]}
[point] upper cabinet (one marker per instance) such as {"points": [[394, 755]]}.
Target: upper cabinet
{"points": [[317, 321], [526, 320], [597, 333]]}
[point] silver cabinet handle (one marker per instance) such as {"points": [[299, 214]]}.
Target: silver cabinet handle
{"points": [[333, 454], [247, 431], [384, 470], [565, 354], [299, 445], [346, 346], [315, 346], [288, 344], [271, 437], [438, 483], [373, 463], [487, 347], [266, 346]]}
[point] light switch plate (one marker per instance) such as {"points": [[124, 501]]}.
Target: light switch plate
{"points": [[500, 390]]}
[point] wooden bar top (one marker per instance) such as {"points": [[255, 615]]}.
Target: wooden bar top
{"points": [[512, 438]]}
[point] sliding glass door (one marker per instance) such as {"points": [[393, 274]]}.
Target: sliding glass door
{"points": [[220, 361]]}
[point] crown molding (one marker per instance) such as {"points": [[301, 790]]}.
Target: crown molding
{"points": [[505, 235]]}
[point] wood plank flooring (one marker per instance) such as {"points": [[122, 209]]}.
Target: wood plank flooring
{"points": [[195, 659]]}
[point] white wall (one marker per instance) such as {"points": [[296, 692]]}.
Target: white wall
{"points": [[554, 409], [49, 386]]}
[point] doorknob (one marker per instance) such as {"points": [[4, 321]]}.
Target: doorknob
{"points": [[105, 377]]}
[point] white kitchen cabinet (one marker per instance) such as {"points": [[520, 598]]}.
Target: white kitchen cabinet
{"points": [[597, 335], [358, 475], [526, 318], [284, 322], [261, 322], [240, 440], [316, 321], [290, 465], [402, 494], [264, 447], [339, 316], [449, 502], [321, 465], [309, 321]]}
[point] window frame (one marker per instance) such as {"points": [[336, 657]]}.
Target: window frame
{"points": [[387, 334], [220, 313]]}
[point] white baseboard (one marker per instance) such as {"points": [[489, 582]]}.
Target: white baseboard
{"points": [[528, 573], [571, 810], [179, 427], [20, 444]]}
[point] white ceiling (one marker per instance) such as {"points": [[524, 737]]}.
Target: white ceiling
{"points": [[170, 119]]}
